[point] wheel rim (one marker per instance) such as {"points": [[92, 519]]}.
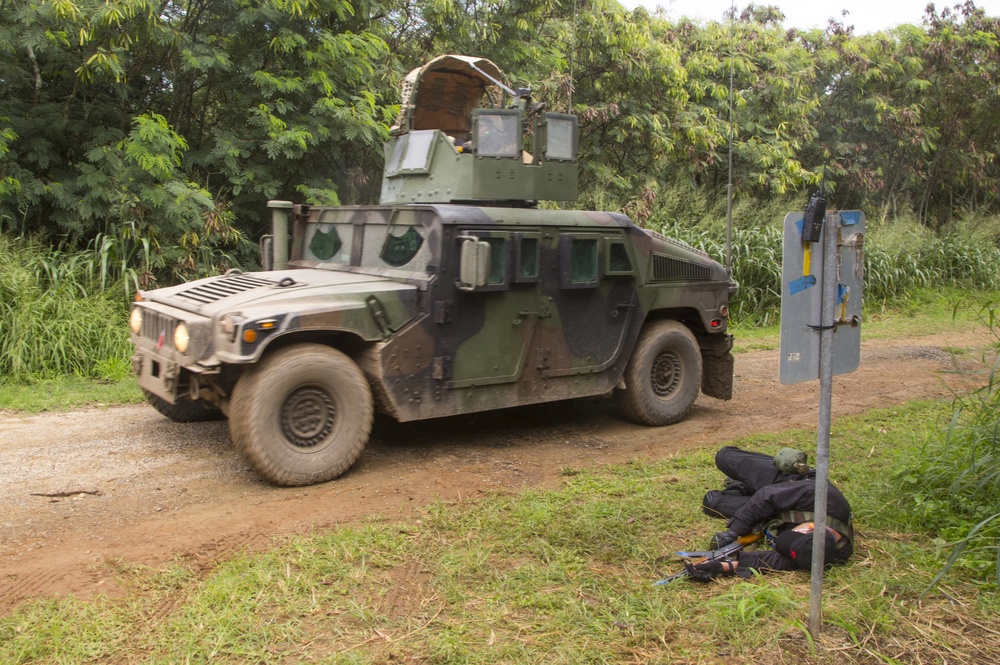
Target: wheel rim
{"points": [[667, 374], [307, 416]]}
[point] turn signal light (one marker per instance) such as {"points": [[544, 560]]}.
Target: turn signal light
{"points": [[249, 335]]}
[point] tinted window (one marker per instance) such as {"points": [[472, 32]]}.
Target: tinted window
{"points": [[528, 258], [498, 260], [398, 250], [618, 258], [583, 260]]}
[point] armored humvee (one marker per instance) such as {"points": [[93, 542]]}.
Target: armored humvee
{"points": [[455, 294]]}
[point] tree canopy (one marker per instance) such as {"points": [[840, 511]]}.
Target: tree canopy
{"points": [[163, 126]]}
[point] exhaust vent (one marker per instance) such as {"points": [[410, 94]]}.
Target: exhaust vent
{"points": [[667, 267], [222, 288]]}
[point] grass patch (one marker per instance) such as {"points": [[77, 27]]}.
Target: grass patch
{"points": [[68, 393], [560, 576], [926, 312]]}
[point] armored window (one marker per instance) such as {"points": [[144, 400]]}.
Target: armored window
{"points": [[579, 261], [618, 261], [325, 244], [400, 246], [527, 257], [329, 240], [418, 151], [498, 260], [560, 136], [497, 133], [398, 146]]}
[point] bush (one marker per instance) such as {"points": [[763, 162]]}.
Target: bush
{"points": [[901, 260], [57, 315]]}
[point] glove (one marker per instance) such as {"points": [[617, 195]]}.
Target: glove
{"points": [[703, 572], [706, 571], [722, 539]]}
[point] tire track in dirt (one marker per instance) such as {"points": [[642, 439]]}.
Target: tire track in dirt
{"points": [[172, 492]]}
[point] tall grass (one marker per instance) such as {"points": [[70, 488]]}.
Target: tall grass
{"points": [[952, 487], [900, 261], [59, 314], [63, 310]]}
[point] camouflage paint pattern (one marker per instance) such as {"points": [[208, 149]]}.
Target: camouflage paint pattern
{"points": [[569, 294]]}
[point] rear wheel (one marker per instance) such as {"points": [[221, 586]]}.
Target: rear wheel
{"points": [[184, 410], [663, 376], [302, 416]]}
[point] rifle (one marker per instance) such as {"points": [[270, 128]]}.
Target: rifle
{"points": [[721, 554]]}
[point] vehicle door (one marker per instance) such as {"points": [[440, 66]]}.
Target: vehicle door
{"points": [[491, 325], [588, 291]]}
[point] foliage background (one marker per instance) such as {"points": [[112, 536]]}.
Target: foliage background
{"points": [[164, 126]]}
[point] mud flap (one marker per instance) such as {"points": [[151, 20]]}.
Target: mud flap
{"points": [[717, 365]]}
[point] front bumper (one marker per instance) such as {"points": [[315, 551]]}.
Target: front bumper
{"points": [[167, 379], [162, 369]]}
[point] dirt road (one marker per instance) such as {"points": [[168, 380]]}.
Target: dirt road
{"points": [[86, 492]]}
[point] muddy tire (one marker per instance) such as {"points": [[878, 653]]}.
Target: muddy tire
{"points": [[663, 376], [184, 411], [302, 416]]}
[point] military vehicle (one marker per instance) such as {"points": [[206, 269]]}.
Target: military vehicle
{"points": [[456, 294]]}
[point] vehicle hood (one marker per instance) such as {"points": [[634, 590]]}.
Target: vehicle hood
{"points": [[305, 293]]}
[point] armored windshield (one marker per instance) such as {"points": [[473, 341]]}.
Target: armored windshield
{"points": [[366, 240]]}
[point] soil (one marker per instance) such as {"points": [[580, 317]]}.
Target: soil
{"points": [[87, 493]]}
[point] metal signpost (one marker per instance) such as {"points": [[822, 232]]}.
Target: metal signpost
{"points": [[821, 333]]}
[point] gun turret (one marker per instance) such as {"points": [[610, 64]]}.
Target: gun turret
{"points": [[448, 147]]}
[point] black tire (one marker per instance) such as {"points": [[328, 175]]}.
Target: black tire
{"points": [[663, 377], [184, 411], [301, 416]]}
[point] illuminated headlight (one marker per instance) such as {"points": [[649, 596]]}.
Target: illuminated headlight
{"points": [[181, 338], [135, 320]]}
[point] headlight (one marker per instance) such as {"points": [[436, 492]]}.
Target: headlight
{"points": [[135, 320], [181, 338]]}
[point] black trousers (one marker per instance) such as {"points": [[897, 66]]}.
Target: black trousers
{"points": [[746, 472]]}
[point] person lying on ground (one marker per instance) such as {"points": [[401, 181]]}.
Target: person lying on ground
{"points": [[776, 495]]}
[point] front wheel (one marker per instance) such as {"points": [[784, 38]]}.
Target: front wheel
{"points": [[302, 416], [663, 376]]}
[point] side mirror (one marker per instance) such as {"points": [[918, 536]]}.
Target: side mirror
{"points": [[474, 266]]}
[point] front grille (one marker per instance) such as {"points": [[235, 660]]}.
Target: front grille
{"points": [[154, 323], [222, 288]]}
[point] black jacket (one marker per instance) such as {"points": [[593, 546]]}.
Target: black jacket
{"points": [[771, 502]]}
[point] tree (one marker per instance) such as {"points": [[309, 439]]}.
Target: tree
{"points": [[243, 101]]}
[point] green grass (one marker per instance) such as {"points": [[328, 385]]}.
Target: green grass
{"points": [[554, 576], [903, 261], [926, 312], [60, 315], [68, 393]]}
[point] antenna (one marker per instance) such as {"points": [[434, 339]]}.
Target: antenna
{"points": [[572, 52], [729, 184]]}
